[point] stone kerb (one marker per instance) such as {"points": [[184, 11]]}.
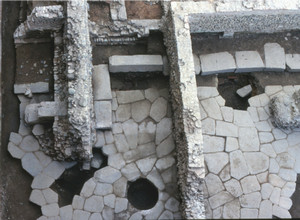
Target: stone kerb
{"points": [[252, 166]]}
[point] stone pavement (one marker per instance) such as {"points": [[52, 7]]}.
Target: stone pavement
{"points": [[251, 165]]}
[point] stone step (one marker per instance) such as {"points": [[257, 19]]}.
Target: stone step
{"points": [[101, 83], [38, 87], [135, 63], [215, 63], [274, 57], [248, 61]]}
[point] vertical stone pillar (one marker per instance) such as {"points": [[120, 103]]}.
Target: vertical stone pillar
{"points": [[186, 118]]}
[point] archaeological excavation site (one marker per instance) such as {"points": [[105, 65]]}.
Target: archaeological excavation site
{"points": [[143, 110]]}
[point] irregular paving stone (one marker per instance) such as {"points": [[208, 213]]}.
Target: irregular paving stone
{"points": [[78, 202], [197, 66], [140, 110], [15, 151], [217, 213], [265, 209], [120, 187], [24, 129], [212, 108], [129, 96], [165, 147], [250, 184], [146, 132], [278, 134], [80, 215], [231, 144], [216, 162], [146, 164], [281, 212], [257, 162], [271, 90], [130, 129], [54, 169], [238, 166], [97, 160], [203, 114], [164, 129], [263, 126], [101, 83], [109, 149], [151, 94], [251, 200], [262, 114], [204, 92], [100, 139], [123, 113], [288, 189], [116, 161], [232, 210], [242, 118], [121, 143], [214, 63], [156, 179], [169, 175], [227, 113], [103, 114], [158, 109], [280, 146], [262, 177], [285, 160], [276, 180], [221, 101], [121, 205], [274, 57], [37, 197], [266, 190], [95, 216], [166, 215], [285, 203], [108, 213], [15, 138], [233, 186], [172, 204], [50, 196], [248, 61], [295, 151], [268, 150], [208, 210], [214, 184], [131, 172], [109, 138], [29, 143], [265, 137], [274, 167], [293, 138], [66, 212], [288, 175], [31, 164], [146, 150], [94, 204], [109, 200], [164, 163], [292, 62], [226, 129], [107, 175], [89, 186], [220, 199], [208, 126], [249, 213], [244, 91], [212, 144], [38, 129], [248, 139], [253, 114], [103, 189], [155, 212], [50, 210], [225, 173]]}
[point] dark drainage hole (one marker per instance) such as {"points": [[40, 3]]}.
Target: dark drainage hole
{"points": [[142, 194], [73, 179]]}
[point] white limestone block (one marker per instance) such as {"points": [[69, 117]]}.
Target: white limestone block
{"points": [[101, 83], [50, 210], [216, 161], [250, 184], [120, 187], [244, 91], [107, 175], [238, 166], [265, 209], [232, 210], [94, 204], [242, 118], [103, 114], [215, 63], [227, 113], [205, 92], [31, 164], [220, 199], [212, 108], [247, 213], [140, 110], [103, 189], [15, 151], [80, 214], [248, 61], [38, 87], [208, 126], [197, 66], [172, 204], [251, 200], [266, 190], [214, 184], [226, 129], [212, 144], [248, 139], [274, 57], [233, 186], [293, 62], [158, 109], [130, 171]]}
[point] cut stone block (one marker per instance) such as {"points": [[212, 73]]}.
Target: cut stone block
{"points": [[214, 184], [125, 97], [131, 172], [251, 200], [88, 188], [233, 186], [50, 196], [212, 108], [30, 144], [293, 62], [205, 92], [214, 63], [107, 175], [232, 210], [15, 138], [120, 187], [66, 212], [103, 114], [220, 199], [250, 184], [103, 189], [50, 210], [274, 57], [216, 162], [197, 64], [140, 110], [38, 87], [54, 169], [212, 144], [15, 151], [31, 164], [42, 181], [238, 165], [31, 114], [51, 109], [159, 109], [257, 162], [94, 204], [248, 61], [37, 197], [101, 83], [136, 63], [248, 139], [244, 91]]}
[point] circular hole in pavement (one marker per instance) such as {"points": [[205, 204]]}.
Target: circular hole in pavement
{"points": [[142, 194]]}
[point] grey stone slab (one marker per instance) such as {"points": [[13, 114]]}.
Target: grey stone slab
{"points": [[121, 205], [97, 160], [107, 175], [51, 109], [274, 57], [31, 114], [29, 144], [95, 216], [215, 63], [103, 189], [155, 177], [37, 197], [120, 187], [31, 164], [38, 129], [15, 151], [197, 64], [129, 96], [88, 188], [140, 110], [66, 212], [292, 62], [50, 196], [131, 172], [109, 200], [164, 129], [248, 61], [50, 210], [38, 87], [103, 114], [42, 181], [136, 63], [101, 83], [94, 204], [220, 199], [78, 202], [244, 91], [15, 138], [80, 215], [165, 147], [55, 169]]}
